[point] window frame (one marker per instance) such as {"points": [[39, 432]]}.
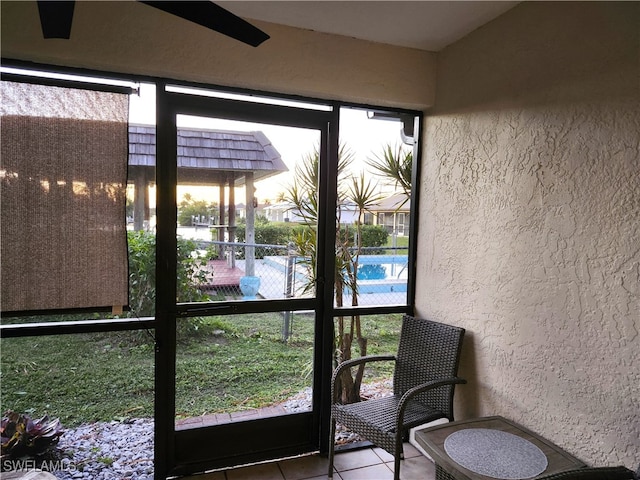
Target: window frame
{"points": [[116, 79]]}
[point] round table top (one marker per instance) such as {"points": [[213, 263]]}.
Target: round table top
{"points": [[495, 453]]}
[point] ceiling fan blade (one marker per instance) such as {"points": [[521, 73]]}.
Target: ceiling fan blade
{"points": [[56, 18], [212, 16]]}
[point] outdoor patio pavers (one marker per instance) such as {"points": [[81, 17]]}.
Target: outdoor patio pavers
{"points": [[222, 418]]}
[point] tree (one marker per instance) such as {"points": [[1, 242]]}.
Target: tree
{"points": [[190, 208]]}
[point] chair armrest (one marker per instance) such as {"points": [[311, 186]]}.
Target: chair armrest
{"points": [[356, 361], [412, 392]]}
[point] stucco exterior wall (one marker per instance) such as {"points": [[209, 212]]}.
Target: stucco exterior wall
{"points": [[130, 37], [530, 222]]}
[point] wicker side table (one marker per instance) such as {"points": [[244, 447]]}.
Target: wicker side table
{"points": [[432, 440]]}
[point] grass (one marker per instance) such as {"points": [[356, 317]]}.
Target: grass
{"points": [[79, 378], [400, 242], [224, 364]]}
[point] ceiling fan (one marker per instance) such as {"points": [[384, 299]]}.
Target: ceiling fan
{"points": [[56, 18]]}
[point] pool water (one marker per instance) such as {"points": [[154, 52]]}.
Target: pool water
{"points": [[372, 272], [381, 267]]}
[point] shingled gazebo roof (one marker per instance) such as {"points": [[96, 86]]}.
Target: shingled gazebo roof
{"points": [[208, 157]]}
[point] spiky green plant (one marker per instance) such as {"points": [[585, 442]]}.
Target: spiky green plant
{"points": [[355, 193], [396, 164]]}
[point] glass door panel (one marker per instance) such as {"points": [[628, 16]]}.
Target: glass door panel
{"points": [[245, 367], [249, 324], [245, 377], [240, 236]]}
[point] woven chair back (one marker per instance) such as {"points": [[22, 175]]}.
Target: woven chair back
{"points": [[428, 351]]}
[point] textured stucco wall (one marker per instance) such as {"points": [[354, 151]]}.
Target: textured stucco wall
{"points": [[530, 222], [130, 37]]}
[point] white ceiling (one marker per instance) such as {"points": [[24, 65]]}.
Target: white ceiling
{"points": [[418, 24]]}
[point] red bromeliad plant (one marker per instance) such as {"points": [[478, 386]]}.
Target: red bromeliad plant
{"points": [[22, 436]]}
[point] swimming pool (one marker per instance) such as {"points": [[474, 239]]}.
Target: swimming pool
{"points": [[376, 273], [382, 273], [382, 267]]}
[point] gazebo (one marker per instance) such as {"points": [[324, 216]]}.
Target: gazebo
{"points": [[226, 159]]}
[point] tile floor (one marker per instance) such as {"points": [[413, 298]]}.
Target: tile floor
{"points": [[365, 464]]}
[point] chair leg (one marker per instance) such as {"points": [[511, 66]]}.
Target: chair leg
{"points": [[399, 455], [332, 440]]}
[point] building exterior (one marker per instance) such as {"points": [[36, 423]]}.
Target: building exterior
{"points": [[392, 213]]}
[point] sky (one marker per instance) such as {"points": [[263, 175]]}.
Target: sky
{"points": [[363, 135]]}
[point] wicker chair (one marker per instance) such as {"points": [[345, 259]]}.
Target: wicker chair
{"points": [[593, 473], [423, 384]]}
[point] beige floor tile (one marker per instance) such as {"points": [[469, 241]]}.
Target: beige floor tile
{"points": [[355, 459], [374, 472], [416, 468], [310, 466], [265, 471], [383, 454], [336, 476], [207, 476], [366, 464], [409, 452]]}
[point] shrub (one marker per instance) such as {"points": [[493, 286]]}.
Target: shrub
{"points": [[267, 234], [24, 437], [142, 281], [283, 233], [372, 236], [142, 273]]}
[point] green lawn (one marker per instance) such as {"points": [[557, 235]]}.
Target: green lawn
{"points": [[400, 242], [226, 364]]}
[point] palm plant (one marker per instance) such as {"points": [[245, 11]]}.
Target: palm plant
{"points": [[396, 165], [355, 193]]}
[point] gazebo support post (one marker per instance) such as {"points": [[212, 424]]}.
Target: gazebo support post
{"points": [[139, 201], [221, 221], [250, 236], [232, 221], [249, 284]]}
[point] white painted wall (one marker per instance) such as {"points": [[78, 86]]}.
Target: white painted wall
{"points": [[530, 222], [130, 37]]}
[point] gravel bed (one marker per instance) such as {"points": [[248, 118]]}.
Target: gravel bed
{"points": [[108, 451]]}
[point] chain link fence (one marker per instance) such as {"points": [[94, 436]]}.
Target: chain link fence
{"points": [[281, 273]]}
